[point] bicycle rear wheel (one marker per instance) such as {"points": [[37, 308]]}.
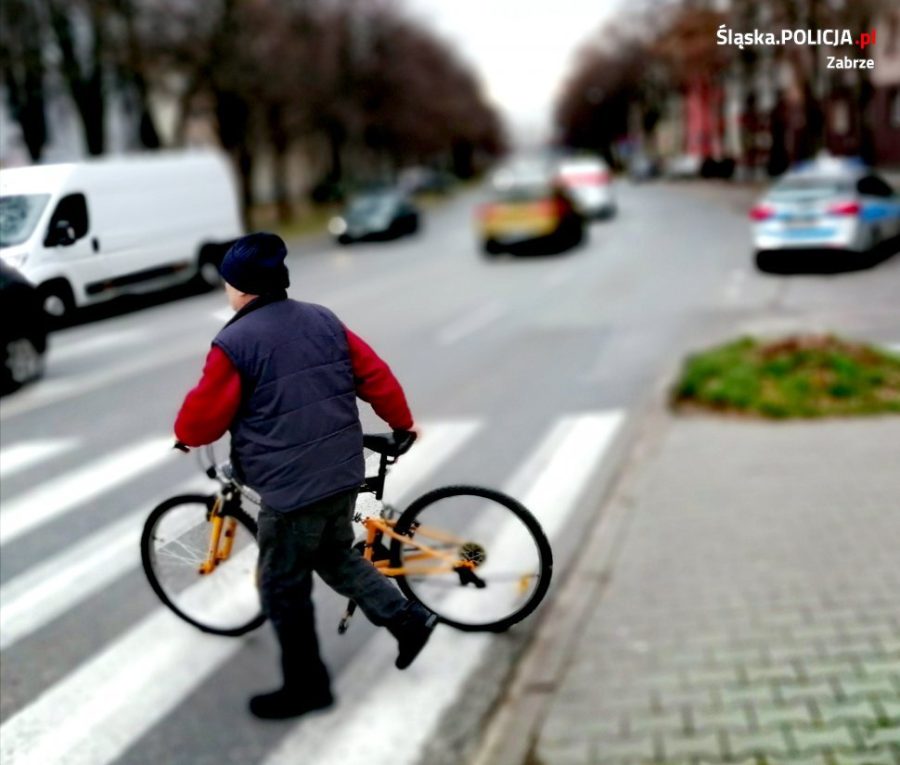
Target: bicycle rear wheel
{"points": [[173, 545], [509, 557]]}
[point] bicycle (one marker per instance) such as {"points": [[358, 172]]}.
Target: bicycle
{"points": [[487, 572]]}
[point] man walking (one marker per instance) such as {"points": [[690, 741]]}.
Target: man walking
{"points": [[283, 377]]}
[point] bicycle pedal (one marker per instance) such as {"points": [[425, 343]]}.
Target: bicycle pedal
{"points": [[467, 576], [379, 551]]}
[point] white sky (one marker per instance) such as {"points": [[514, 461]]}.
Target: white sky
{"points": [[522, 49]]}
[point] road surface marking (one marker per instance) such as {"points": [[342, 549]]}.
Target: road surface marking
{"points": [[471, 322], [61, 351], [58, 496], [98, 711], [156, 664], [44, 592], [386, 706], [53, 391], [21, 456]]}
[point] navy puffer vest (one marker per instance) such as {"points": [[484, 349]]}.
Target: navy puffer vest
{"points": [[297, 437]]}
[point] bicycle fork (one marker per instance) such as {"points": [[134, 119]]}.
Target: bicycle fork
{"points": [[223, 529]]}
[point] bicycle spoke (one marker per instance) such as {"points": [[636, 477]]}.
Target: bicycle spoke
{"points": [[226, 598]]}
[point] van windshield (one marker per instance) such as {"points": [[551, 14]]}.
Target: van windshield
{"points": [[19, 214]]}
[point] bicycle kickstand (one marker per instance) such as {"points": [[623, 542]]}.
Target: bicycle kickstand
{"points": [[345, 619]]}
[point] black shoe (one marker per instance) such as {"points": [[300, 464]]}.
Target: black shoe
{"points": [[285, 703], [412, 631]]}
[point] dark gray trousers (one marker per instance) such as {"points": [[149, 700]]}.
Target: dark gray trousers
{"points": [[318, 537]]}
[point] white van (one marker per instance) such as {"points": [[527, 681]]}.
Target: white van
{"points": [[89, 231]]}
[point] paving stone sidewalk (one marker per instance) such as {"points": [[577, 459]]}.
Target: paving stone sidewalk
{"points": [[753, 615]]}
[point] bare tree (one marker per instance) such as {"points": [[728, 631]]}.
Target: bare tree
{"points": [[84, 74], [132, 64], [23, 70]]}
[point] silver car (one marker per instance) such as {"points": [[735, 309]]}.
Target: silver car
{"points": [[588, 183], [825, 207]]}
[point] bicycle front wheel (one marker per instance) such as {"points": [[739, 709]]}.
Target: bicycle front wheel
{"points": [[475, 557], [175, 543]]}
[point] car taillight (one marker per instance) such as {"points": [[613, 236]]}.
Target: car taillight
{"points": [[762, 212], [555, 207], [844, 208]]}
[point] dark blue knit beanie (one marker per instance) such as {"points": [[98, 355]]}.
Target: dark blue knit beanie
{"points": [[255, 264]]}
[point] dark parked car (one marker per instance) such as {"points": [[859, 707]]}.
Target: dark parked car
{"points": [[23, 330], [374, 216]]}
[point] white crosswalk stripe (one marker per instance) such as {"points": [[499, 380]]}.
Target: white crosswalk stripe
{"points": [[391, 707], [126, 689], [44, 592], [58, 496], [26, 454], [97, 343]]}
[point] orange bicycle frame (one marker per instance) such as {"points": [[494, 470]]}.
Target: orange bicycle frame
{"points": [[221, 538], [377, 526]]}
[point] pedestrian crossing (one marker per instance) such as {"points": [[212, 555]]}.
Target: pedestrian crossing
{"points": [[52, 499], [152, 667], [22, 456]]}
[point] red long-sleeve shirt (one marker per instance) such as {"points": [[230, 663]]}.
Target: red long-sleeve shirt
{"points": [[209, 409]]}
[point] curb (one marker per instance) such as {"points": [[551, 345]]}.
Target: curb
{"points": [[509, 733], [460, 734]]}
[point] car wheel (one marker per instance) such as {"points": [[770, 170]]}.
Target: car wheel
{"points": [[22, 363], [769, 262], [874, 241], [579, 234], [57, 301]]}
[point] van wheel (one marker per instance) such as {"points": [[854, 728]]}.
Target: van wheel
{"points": [[208, 277], [57, 302]]}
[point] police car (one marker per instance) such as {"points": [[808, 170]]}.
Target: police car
{"points": [[825, 205]]}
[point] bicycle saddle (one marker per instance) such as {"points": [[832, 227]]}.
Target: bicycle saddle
{"points": [[392, 444]]}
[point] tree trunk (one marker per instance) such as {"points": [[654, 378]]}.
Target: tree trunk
{"points": [[244, 159], [147, 132], [87, 89], [185, 100], [278, 137], [23, 67]]}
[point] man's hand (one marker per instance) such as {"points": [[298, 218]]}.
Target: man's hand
{"points": [[404, 439]]}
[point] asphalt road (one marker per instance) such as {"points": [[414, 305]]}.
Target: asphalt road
{"points": [[519, 372]]}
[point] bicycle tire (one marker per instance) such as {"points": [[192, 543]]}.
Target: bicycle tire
{"points": [[518, 511], [148, 560]]}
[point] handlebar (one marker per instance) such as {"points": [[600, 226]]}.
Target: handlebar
{"points": [[388, 444], [404, 439]]}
